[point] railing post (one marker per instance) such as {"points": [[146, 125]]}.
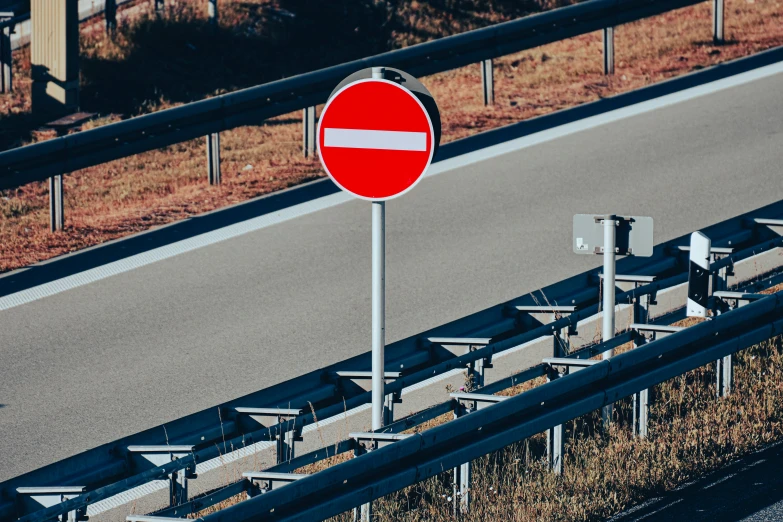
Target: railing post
{"points": [[488, 81], [609, 50], [178, 488], [717, 21], [641, 399], [308, 131], [213, 12], [6, 58], [554, 438], [724, 367], [213, 158], [56, 210], [110, 11], [364, 512], [461, 486]]}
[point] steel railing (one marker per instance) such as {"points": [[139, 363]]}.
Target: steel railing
{"points": [[415, 458], [251, 106], [112, 469]]}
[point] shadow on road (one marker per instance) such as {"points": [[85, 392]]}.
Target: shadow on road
{"points": [[749, 489]]}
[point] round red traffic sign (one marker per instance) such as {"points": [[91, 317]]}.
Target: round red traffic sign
{"points": [[375, 139]]}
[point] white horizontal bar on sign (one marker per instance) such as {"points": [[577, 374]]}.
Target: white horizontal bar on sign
{"points": [[375, 139]]}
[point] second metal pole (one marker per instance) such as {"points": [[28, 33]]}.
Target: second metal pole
{"points": [[610, 229], [609, 281], [378, 310]]}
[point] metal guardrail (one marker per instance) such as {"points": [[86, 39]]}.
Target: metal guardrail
{"points": [[417, 457], [117, 467], [251, 106]]}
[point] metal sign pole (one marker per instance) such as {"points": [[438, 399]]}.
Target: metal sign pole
{"points": [[378, 310], [378, 301], [610, 227], [610, 230]]}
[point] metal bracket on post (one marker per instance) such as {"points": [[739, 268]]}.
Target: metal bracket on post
{"points": [[284, 439], [37, 497], [160, 455], [561, 342], [213, 158], [364, 442], [309, 129], [641, 399], [56, 203], [718, 11], [461, 484], [389, 401], [554, 435], [609, 50], [488, 81], [6, 60], [476, 368], [268, 479]]}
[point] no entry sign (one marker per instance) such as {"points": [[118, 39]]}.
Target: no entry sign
{"points": [[375, 139]]}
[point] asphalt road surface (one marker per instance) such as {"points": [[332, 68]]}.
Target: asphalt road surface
{"points": [[129, 352], [750, 490]]}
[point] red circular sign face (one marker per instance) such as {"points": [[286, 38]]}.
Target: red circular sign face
{"points": [[375, 139]]}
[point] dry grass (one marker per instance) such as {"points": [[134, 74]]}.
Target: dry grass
{"points": [[160, 63], [691, 433]]}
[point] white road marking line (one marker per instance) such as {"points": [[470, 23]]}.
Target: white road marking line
{"points": [[375, 139], [308, 207]]}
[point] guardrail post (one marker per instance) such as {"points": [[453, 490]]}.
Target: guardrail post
{"points": [[641, 399], [554, 438], [178, 488], [388, 408], [364, 512], [308, 131], [562, 346], [724, 367], [110, 12], [488, 81], [609, 50], [718, 9], [56, 210], [213, 12], [213, 158], [285, 440], [6, 58], [461, 486]]}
